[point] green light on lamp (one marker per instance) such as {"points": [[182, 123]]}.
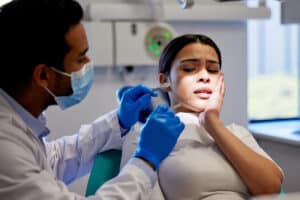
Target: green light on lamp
{"points": [[157, 52], [150, 48], [155, 45], [168, 34]]}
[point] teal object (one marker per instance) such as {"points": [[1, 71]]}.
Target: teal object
{"points": [[106, 166], [282, 193]]}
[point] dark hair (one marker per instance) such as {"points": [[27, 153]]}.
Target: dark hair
{"points": [[33, 32], [171, 50]]}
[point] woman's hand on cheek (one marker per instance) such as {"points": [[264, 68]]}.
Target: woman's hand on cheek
{"points": [[214, 105]]}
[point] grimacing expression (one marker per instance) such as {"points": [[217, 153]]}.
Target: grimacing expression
{"points": [[194, 75]]}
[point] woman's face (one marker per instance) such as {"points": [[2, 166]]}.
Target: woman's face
{"points": [[193, 77]]}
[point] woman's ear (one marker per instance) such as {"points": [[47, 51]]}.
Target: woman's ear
{"points": [[164, 80]]}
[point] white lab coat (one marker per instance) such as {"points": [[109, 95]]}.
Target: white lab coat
{"points": [[33, 170]]}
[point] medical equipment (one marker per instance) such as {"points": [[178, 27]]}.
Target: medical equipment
{"points": [[186, 3], [81, 82], [156, 38], [106, 166], [161, 87]]}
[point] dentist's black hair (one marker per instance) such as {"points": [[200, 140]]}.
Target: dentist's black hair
{"points": [[174, 46], [33, 32]]}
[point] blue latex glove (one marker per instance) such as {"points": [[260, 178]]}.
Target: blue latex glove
{"points": [[133, 101], [159, 135], [143, 113], [120, 92]]}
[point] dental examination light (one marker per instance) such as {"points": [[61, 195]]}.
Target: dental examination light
{"points": [[186, 3], [156, 38]]}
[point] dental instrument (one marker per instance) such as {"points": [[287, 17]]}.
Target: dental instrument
{"points": [[162, 86]]}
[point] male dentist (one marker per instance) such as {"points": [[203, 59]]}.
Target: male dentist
{"points": [[43, 62]]}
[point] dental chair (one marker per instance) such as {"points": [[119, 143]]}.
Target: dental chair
{"points": [[106, 167]]}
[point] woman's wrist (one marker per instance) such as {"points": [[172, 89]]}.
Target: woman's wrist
{"points": [[211, 120]]}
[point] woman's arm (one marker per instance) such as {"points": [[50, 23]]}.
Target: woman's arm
{"points": [[260, 175]]}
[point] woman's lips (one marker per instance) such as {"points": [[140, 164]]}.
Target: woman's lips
{"points": [[204, 96], [203, 93]]}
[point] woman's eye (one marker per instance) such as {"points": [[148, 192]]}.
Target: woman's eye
{"points": [[213, 71], [213, 67], [188, 68]]}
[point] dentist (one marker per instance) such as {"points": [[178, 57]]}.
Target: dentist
{"points": [[43, 62]]}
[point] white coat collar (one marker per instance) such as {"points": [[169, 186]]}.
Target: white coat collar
{"points": [[37, 125]]}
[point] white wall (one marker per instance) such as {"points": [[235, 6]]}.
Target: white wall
{"points": [[231, 38]]}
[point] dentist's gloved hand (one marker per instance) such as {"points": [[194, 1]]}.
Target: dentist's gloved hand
{"points": [[133, 101], [143, 113], [159, 135]]}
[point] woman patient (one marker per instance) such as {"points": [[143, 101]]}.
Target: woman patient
{"points": [[210, 161]]}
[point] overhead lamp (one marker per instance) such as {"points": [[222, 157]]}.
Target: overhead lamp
{"points": [[186, 3], [157, 37]]}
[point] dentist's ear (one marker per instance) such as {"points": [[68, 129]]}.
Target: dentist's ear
{"points": [[40, 75], [165, 83]]}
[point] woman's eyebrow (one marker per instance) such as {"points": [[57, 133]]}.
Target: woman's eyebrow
{"points": [[196, 60], [189, 60], [213, 61]]}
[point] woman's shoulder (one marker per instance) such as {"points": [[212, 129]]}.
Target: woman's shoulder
{"points": [[238, 130]]}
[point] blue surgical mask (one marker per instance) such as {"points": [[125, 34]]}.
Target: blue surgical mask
{"points": [[81, 82]]}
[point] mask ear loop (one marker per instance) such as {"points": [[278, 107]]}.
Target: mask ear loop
{"points": [[60, 72], [51, 93]]}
